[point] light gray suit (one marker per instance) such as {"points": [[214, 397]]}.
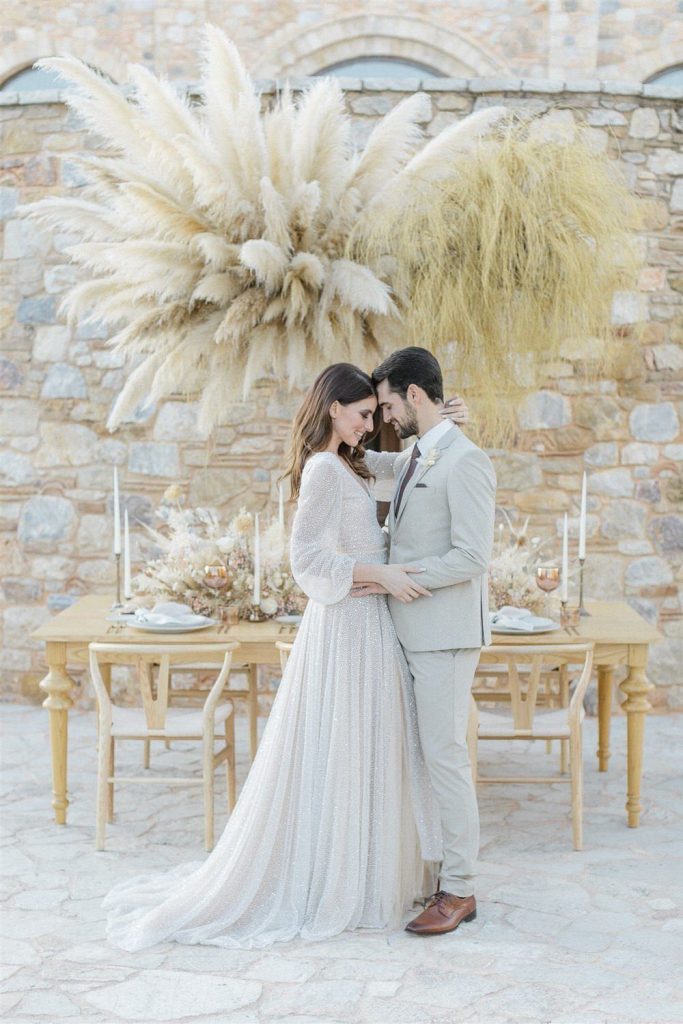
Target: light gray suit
{"points": [[445, 523]]}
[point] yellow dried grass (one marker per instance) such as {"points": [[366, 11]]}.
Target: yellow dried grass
{"points": [[519, 245]]}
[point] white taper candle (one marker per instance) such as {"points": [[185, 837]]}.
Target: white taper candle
{"points": [[564, 584], [257, 562], [582, 519], [117, 514], [127, 589]]}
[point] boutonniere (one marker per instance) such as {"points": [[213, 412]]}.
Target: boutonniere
{"points": [[428, 460]]}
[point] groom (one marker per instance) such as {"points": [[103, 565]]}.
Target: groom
{"points": [[441, 518]]}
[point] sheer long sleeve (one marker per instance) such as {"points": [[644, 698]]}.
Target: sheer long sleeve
{"points": [[384, 466], [324, 574]]}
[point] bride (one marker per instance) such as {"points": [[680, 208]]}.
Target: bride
{"points": [[336, 826]]}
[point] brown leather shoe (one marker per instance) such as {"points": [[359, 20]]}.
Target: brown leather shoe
{"points": [[443, 913]]}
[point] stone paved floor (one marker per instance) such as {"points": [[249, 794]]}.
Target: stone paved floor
{"points": [[561, 937]]}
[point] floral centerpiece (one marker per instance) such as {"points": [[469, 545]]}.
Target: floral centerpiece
{"points": [[193, 539], [513, 566]]}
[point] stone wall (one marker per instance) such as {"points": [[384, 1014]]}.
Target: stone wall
{"points": [[57, 386], [624, 40]]}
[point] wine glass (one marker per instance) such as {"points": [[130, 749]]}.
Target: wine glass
{"points": [[548, 578], [216, 576]]}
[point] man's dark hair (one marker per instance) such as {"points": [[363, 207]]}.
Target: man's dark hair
{"points": [[411, 366]]}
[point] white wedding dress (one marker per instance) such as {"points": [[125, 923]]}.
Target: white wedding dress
{"points": [[336, 818]]}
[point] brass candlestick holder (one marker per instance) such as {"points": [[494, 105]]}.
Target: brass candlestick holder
{"points": [[582, 610], [118, 604], [257, 614]]}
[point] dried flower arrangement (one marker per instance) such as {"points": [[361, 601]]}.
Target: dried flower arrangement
{"points": [[191, 539]]}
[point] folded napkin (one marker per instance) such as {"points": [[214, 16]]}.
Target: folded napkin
{"points": [[169, 613], [509, 617]]}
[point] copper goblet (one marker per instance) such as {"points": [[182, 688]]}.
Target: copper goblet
{"points": [[548, 577], [216, 576]]}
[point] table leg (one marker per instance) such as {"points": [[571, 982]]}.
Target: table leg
{"points": [[605, 697], [59, 687], [635, 687], [253, 710]]}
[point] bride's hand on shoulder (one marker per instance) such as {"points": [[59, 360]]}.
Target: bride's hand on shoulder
{"points": [[455, 409]]}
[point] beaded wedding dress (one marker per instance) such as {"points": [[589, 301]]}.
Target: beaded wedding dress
{"points": [[336, 818]]}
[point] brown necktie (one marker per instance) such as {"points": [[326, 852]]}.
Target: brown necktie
{"points": [[404, 483]]}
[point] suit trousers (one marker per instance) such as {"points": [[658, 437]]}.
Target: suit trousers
{"points": [[443, 686]]}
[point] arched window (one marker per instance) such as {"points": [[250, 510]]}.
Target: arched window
{"points": [[379, 67], [32, 79], [669, 76]]}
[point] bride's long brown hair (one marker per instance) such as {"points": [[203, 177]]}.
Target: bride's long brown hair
{"points": [[312, 427]]}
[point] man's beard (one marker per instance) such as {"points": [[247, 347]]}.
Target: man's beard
{"points": [[408, 427]]}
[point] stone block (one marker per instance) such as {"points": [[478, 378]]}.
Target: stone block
{"points": [[665, 161], [20, 621], [374, 104], [544, 410], [674, 452], [667, 534], [94, 535], [602, 116], [16, 470], [613, 483], [648, 572], [44, 521], [176, 421], [603, 577], [64, 381], [635, 547], [604, 453], [668, 357], [620, 519], [628, 308], [639, 454], [9, 199], [654, 422], [517, 472], [66, 444], [495, 84], [23, 240], [621, 88], [644, 123], [542, 85], [40, 310], [148, 458], [18, 589], [677, 196], [51, 343], [10, 375], [601, 414], [664, 661], [18, 416]]}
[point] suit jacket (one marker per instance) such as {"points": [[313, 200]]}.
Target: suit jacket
{"points": [[445, 523]]}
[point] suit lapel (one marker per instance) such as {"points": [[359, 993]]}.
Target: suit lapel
{"points": [[422, 468]]}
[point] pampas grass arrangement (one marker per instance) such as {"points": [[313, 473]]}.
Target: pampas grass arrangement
{"points": [[223, 244]]}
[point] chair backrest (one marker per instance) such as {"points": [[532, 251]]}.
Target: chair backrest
{"points": [[285, 649], [144, 657], [525, 665]]}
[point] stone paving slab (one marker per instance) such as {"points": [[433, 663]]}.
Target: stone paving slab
{"points": [[561, 937]]}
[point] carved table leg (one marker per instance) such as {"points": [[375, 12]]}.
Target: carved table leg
{"points": [[605, 696], [59, 687], [636, 706]]}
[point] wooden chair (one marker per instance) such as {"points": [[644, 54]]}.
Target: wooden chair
{"points": [[553, 692], [155, 720], [525, 666], [285, 649]]}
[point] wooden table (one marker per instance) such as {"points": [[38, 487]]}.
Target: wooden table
{"points": [[620, 636]]}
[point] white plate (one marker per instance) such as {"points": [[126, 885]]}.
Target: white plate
{"points": [[171, 627], [289, 620], [509, 631]]}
